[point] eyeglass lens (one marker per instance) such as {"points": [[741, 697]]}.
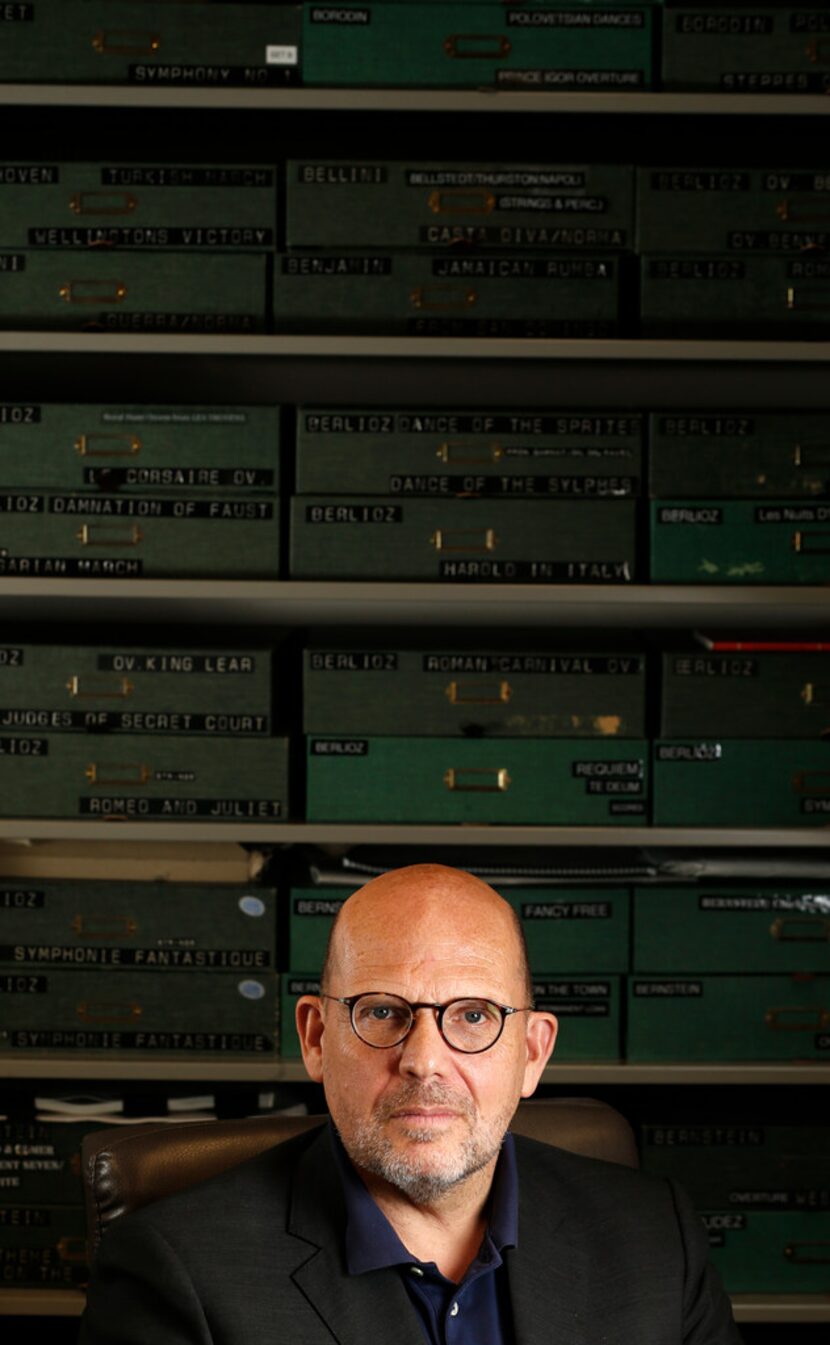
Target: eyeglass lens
{"points": [[467, 1024]]}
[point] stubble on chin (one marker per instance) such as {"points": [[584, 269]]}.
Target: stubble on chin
{"points": [[423, 1176]]}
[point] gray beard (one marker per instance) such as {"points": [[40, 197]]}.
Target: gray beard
{"points": [[369, 1148]]}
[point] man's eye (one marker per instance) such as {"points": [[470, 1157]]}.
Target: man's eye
{"points": [[473, 1016]]}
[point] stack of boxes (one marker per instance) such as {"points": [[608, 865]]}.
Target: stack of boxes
{"points": [[743, 738], [728, 972], [124, 731], [733, 252], [136, 247], [739, 497], [764, 1195], [454, 249], [768, 48], [577, 944], [466, 496], [42, 1222], [411, 731], [135, 492], [138, 969]]}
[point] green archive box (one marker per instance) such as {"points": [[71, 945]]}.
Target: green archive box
{"points": [[722, 782], [448, 293], [43, 1246], [478, 541], [764, 48], [141, 926], [732, 209], [757, 1166], [589, 1013], [133, 291], [739, 455], [524, 454], [356, 687], [202, 1014], [764, 1191], [769, 1252], [508, 780], [754, 928], [293, 984], [94, 688], [535, 45], [311, 914], [332, 204], [698, 541], [752, 296], [181, 449], [126, 776], [40, 1161], [578, 930], [190, 207], [568, 930], [175, 43], [136, 536], [729, 1017], [784, 694]]}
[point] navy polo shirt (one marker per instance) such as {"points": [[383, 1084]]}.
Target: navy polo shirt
{"points": [[474, 1312]]}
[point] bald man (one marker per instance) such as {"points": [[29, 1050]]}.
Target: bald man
{"points": [[414, 1217]]}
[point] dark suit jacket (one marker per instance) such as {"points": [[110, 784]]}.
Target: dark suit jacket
{"points": [[255, 1257]]}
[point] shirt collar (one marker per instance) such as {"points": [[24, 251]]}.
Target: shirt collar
{"points": [[373, 1244]]}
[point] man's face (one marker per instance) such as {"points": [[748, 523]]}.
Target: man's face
{"points": [[421, 1115]]}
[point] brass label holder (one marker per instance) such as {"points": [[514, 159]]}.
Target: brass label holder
{"points": [[469, 540], [477, 779], [478, 693]]}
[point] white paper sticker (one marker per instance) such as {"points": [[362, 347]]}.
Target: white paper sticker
{"points": [[281, 55]]}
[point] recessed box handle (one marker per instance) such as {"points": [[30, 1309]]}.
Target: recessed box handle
{"points": [[71, 1249], [813, 693], [104, 1011], [442, 298], [800, 929], [797, 1018], [477, 779], [470, 540], [103, 203], [100, 688], [811, 455], [818, 51], [478, 693], [107, 445], [104, 926], [118, 773], [469, 455], [126, 42], [811, 782], [813, 298], [808, 1253], [462, 201], [812, 543], [93, 292], [477, 46], [109, 534]]}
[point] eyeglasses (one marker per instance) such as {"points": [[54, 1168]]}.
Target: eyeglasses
{"points": [[470, 1025]]}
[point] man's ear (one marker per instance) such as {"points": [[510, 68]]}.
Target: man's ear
{"points": [[310, 1027], [541, 1039]]}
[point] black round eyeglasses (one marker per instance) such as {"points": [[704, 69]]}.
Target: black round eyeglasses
{"points": [[470, 1025]]}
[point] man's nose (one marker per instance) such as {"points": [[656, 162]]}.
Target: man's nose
{"points": [[424, 1051]]}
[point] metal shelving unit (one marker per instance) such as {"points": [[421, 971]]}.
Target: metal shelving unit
{"points": [[414, 100], [270, 1069], [747, 1307], [344, 835], [305, 602]]}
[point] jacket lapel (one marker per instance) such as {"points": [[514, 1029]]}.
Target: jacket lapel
{"points": [[549, 1291], [355, 1308]]}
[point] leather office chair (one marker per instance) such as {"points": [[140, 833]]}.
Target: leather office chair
{"points": [[126, 1167]]}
